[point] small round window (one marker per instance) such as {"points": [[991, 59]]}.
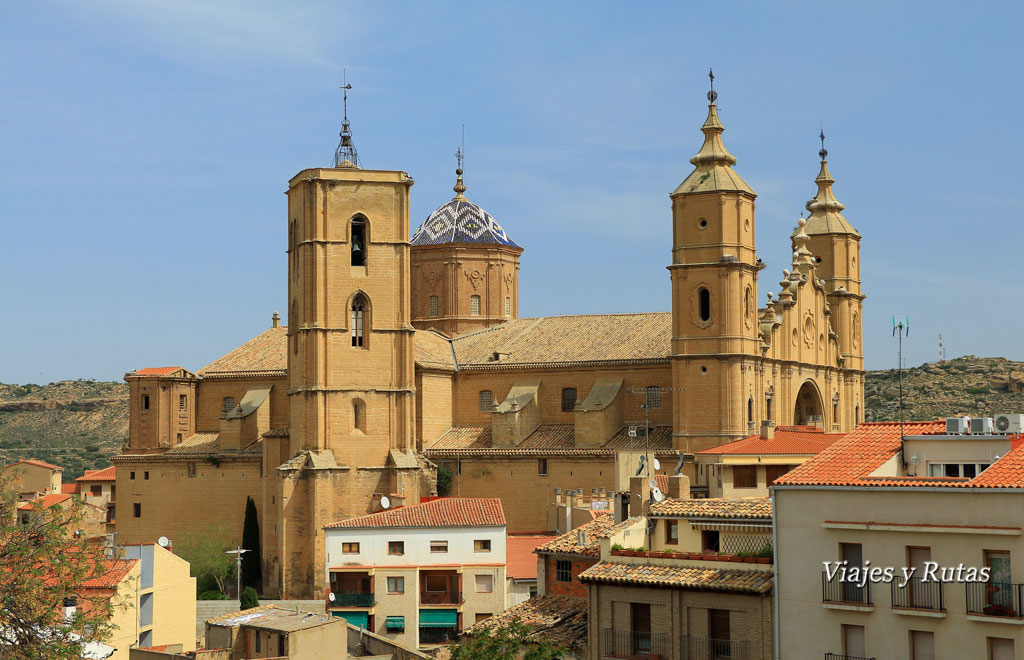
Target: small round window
{"points": [[702, 223]]}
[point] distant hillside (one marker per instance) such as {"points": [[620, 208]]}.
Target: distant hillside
{"points": [[76, 424], [970, 385]]}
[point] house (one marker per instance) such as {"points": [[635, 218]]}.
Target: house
{"points": [[418, 574], [521, 567], [33, 478], [561, 621], [98, 487], [92, 523], [166, 596], [270, 631], [928, 497]]}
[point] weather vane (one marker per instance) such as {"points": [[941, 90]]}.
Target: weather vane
{"points": [[824, 152], [345, 155], [712, 95]]}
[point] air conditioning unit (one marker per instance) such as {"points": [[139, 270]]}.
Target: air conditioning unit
{"points": [[1009, 424], [956, 425], [982, 426]]}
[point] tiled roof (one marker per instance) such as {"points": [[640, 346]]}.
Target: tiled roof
{"points": [[46, 501], [742, 508], [433, 350], [117, 569], [461, 221], [442, 512], [1007, 472], [156, 371], [599, 528], [559, 620], [568, 339], [69, 489], [849, 461], [681, 577], [548, 439], [196, 446], [106, 474], [520, 562], [272, 617], [805, 440], [267, 352], [37, 463]]}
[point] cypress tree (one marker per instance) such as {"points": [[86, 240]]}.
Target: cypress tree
{"points": [[251, 561]]}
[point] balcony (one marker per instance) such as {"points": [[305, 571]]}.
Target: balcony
{"points": [[836, 656], [351, 589], [633, 645], [706, 648], [917, 595], [835, 592], [353, 599], [997, 599], [440, 588]]}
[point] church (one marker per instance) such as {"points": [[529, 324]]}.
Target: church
{"points": [[405, 357]]}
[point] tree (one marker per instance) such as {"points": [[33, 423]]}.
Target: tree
{"points": [[204, 550], [444, 480], [251, 561], [44, 561], [249, 599], [504, 642]]}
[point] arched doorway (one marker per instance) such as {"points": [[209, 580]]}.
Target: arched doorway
{"points": [[808, 405]]}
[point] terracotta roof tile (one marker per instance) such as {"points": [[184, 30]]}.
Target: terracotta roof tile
{"points": [[520, 561], [683, 577], [266, 352], [806, 440], [116, 571], [156, 371], [1007, 472], [601, 527], [46, 501], [69, 489], [568, 339], [546, 440], [106, 474], [433, 350], [442, 512], [744, 508], [559, 620], [37, 463]]}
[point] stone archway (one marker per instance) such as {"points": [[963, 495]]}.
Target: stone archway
{"points": [[808, 409]]}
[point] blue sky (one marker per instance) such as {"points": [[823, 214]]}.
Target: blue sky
{"points": [[145, 149]]}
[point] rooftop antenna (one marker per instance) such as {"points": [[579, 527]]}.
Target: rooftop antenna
{"points": [[903, 330], [345, 155]]}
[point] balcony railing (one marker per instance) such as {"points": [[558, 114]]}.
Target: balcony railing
{"points": [[353, 599], [917, 594], [440, 597], [706, 648], [836, 656], [632, 644], [845, 593], [995, 599]]}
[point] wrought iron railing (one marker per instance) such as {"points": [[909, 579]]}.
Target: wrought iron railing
{"points": [[917, 594], [440, 597], [836, 656], [847, 593], [633, 644], [995, 599], [706, 648], [353, 599]]}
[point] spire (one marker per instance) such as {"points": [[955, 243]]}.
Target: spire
{"points": [[826, 211], [345, 155], [713, 162], [460, 187]]}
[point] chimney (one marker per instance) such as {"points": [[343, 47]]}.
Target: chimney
{"points": [[276, 319], [639, 496], [678, 487], [768, 429], [621, 507], [70, 606]]}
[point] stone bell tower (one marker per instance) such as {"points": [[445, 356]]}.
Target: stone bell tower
{"points": [[715, 343]]}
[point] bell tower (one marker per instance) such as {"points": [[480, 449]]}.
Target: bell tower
{"points": [[715, 343]]}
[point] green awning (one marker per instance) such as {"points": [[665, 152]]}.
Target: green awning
{"points": [[361, 619], [394, 623], [439, 618]]}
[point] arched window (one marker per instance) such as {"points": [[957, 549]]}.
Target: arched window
{"points": [[835, 411], [359, 415], [856, 415], [704, 301], [508, 306], [750, 410], [653, 398], [486, 400], [768, 408], [360, 321], [474, 305], [433, 306], [358, 242], [228, 404], [568, 399]]}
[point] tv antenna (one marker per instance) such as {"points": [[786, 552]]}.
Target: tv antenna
{"points": [[902, 328], [645, 462], [345, 155]]}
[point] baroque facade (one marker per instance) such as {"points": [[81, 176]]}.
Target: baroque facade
{"points": [[403, 354]]}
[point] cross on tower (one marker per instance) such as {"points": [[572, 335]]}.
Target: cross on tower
{"points": [[712, 95]]}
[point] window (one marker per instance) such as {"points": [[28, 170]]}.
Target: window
{"points": [[433, 311], [259, 640], [358, 242], [486, 400], [542, 467], [856, 415], [359, 308], [191, 469], [563, 570], [439, 546], [1000, 648], [145, 402], [744, 476], [182, 402], [350, 548], [533, 592], [359, 415], [145, 475], [768, 408], [568, 399], [482, 545], [137, 509], [396, 585], [483, 616], [484, 584], [969, 470], [718, 625], [853, 641], [227, 404], [179, 439], [704, 302], [835, 412], [710, 540], [396, 547], [474, 305], [773, 472], [653, 398], [96, 490], [672, 532], [750, 410], [922, 645], [508, 306], [132, 476]]}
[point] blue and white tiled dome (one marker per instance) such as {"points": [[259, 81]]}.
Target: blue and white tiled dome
{"points": [[461, 221]]}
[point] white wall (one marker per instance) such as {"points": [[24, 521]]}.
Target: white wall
{"points": [[373, 546]]}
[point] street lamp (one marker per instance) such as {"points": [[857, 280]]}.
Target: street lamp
{"points": [[237, 552]]}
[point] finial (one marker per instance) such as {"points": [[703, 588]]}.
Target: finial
{"points": [[712, 94], [460, 187], [345, 155], [824, 152]]}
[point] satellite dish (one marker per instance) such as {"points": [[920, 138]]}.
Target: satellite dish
{"points": [[657, 464], [657, 494], [330, 596], [163, 542], [385, 501]]}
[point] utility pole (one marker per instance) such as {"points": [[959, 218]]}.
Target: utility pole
{"points": [[237, 552]]}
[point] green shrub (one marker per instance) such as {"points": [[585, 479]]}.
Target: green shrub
{"points": [[444, 480], [212, 594], [249, 598]]}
